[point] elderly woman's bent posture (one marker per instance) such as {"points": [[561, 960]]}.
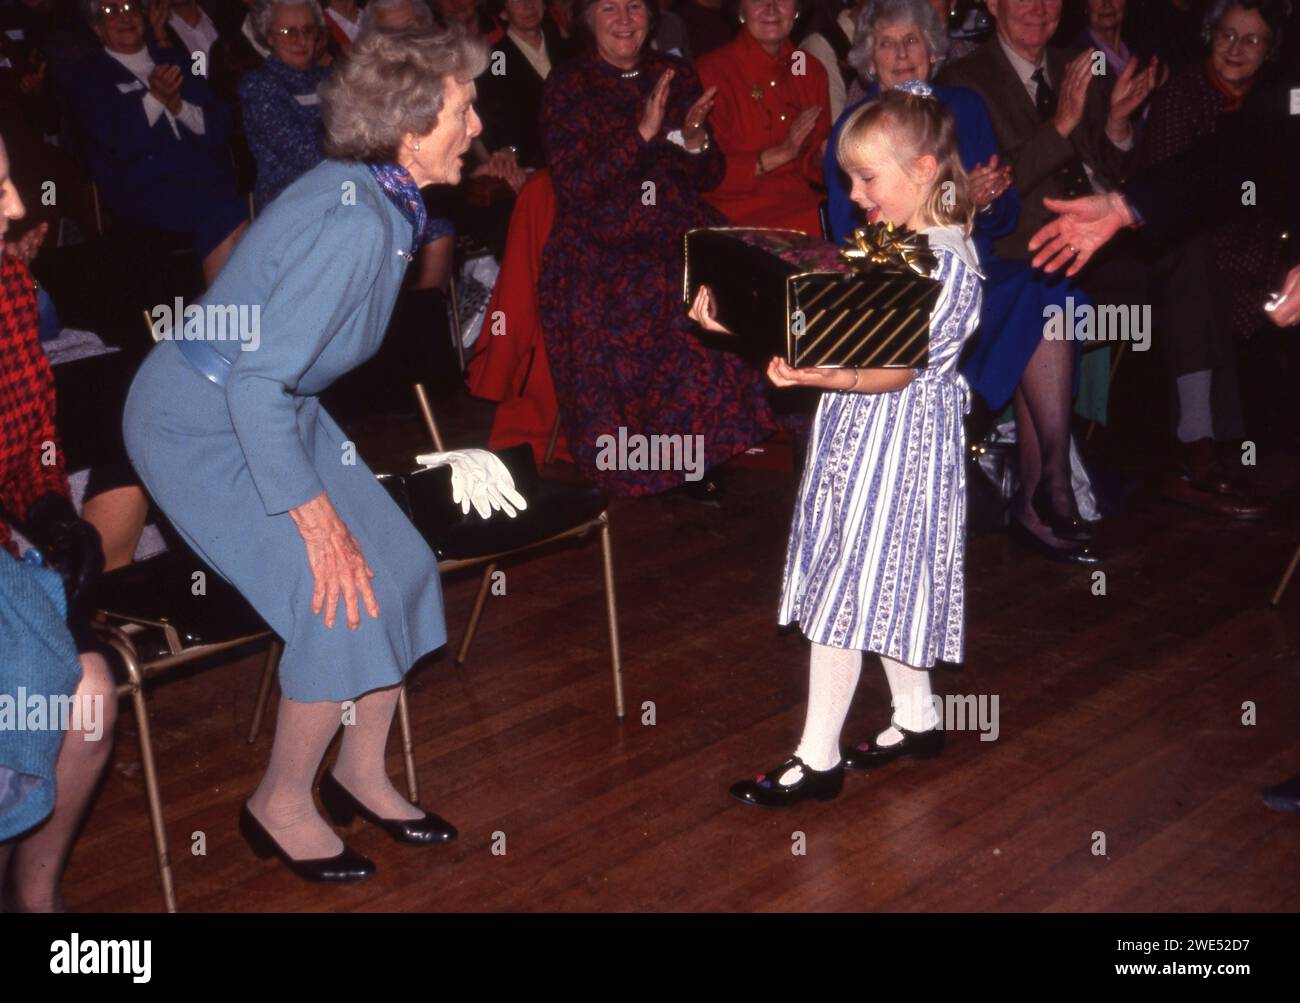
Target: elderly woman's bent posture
{"points": [[624, 131], [237, 451]]}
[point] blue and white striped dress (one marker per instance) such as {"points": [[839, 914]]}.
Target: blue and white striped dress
{"points": [[876, 554]]}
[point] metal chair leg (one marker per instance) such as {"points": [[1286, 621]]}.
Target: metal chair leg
{"points": [[1286, 578], [611, 607], [408, 745], [136, 684], [550, 445], [264, 691], [475, 613]]}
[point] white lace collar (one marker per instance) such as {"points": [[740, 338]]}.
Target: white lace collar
{"points": [[951, 238]]}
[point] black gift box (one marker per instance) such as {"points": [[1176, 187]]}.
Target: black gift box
{"points": [[787, 294]]}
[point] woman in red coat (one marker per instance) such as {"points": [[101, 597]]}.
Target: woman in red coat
{"points": [[770, 118]]}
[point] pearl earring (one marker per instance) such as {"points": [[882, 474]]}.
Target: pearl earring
{"points": [[415, 146]]}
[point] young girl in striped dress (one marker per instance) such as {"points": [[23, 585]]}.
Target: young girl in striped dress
{"points": [[875, 560]]}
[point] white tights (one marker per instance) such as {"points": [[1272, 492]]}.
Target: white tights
{"points": [[832, 678]]}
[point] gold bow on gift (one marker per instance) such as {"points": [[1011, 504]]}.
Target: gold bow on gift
{"points": [[885, 244]]}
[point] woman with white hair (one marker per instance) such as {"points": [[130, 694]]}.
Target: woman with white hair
{"points": [[1010, 359], [230, 438], [279, 99]]}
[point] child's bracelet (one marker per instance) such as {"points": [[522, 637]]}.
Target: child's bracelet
{"points": [[856, 373]]}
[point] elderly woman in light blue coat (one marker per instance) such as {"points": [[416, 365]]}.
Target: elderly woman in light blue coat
{"points": [[229, 437]]}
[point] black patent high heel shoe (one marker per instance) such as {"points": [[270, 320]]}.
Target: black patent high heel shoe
{"points": [[343, 807], [346, 866], [1063, 527], [1083, 554], [766, 790], [915, 744]]}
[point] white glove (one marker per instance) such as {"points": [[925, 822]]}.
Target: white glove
{"points": [[478, 478]]}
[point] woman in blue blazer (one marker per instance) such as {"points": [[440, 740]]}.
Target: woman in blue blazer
{"points": [[900, 40], [229, 436]]}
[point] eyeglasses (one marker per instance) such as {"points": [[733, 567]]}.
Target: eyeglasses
{"points": [[307, 34], [1228, 38], [114, 9], [892, 45]]}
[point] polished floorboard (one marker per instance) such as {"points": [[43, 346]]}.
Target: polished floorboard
{"points": [[1122, 777]]}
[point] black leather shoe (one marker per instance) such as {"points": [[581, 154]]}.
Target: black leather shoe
{"points": [[915, 744], [766, 791], [1085, 554], [1063, 527], [346, 866], [342, 808]]}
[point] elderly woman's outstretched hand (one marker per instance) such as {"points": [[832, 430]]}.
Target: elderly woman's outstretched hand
{"points": [[337, 565]]}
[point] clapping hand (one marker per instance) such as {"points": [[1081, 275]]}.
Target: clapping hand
{"points": [[693, 127], [988, 181], [165, 85], [480, 479], [1131, 90], [1287, 311], [1073, 94], [652, 117]]}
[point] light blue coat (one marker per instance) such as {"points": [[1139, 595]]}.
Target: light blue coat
{"points": [[323, 265]]}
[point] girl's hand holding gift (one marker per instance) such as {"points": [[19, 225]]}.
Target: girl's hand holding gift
{"points": [[702, 311], [862, 381]]}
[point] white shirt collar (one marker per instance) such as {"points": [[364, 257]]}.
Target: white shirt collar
{"points": [[1023, 67], [139, 63]]}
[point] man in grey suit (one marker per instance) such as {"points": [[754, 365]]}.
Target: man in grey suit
{"points": [[1059, 134]]}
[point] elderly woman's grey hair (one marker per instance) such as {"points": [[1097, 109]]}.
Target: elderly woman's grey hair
{"points": [[423, 16], [263, 14], [390, 84], [888, 13]]}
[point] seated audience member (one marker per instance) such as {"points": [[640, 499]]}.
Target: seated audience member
{"points": [[156, 138], [561, 12], [619, 344], [771, 119], [510, 90], [1010, 359], [194, 29], [47, 776], [343, 18], [1106, 30], [827, 34], [1240, 255], [472, 15], [708, 26], [1051, 126], [396, 15], [281, 107]]}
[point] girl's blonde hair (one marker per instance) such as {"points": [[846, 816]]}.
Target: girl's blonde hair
{"points": [[914, 125]]}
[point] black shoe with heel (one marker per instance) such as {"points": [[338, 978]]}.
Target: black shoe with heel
{"points": [[346, 866], [1063, 527], [1084, 554], [766, 790], [343, 807], [915, 744]]}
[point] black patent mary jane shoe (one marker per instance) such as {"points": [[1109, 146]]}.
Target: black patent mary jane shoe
{"points": [[915, 744], [342, 808], [766, 790], [346, 866]]}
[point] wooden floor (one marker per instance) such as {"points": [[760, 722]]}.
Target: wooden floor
{"points": [[1119, 715]]}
